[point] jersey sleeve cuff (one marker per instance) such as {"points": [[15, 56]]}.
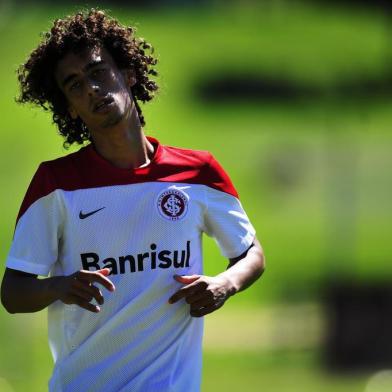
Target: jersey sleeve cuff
{"points": [[26, 266], [246, 242]]}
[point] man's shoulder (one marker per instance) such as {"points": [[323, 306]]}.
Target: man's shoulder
{"points": [[65, 161], [50, 176], [196, 166], [61, 173], [186, 155]]}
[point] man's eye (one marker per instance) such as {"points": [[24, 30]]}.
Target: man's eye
{"points": [[74, 86]]}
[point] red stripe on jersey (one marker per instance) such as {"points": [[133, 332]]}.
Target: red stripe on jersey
{"points": [[87, 169]]}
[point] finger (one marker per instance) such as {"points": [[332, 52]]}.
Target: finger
{"points": [[203, 311], [89, 306], [91, 290], [93, 276], [104, 271], [184, 292], [81, 294], [188, 290], [88, 293], [196, 296], [85, 305], [186, 279], [202, 303]]}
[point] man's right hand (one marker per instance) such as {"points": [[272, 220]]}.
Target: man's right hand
{"points": [[78, 288]]}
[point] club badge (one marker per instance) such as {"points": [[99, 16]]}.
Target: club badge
{"points": [[172, 204]]}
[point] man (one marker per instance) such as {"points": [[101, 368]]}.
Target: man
{"points": [[124, 213]]}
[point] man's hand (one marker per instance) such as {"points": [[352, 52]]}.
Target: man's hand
{"points": [[204, 294], [78, 288]]}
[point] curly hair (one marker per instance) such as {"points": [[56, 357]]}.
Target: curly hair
{"points": [[85, 29]]}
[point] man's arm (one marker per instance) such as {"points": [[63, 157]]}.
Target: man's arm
{"points": [[205, 294], [22, 292], [247, 268]]}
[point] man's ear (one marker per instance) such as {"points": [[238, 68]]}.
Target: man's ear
{"points": [[129, 77]]}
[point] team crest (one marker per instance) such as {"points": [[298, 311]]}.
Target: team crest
{"points": [[172, 204]]}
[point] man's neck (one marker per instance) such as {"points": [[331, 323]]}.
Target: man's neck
{"points": [[124, 146]]}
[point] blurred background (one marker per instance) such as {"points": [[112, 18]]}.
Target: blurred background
{"points": [[293, 98]]}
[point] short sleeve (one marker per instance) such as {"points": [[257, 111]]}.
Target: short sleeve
{"points": [[225, 219], [34, 247]]}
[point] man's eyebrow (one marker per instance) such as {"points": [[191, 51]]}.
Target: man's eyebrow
{"points": [[90, 65], [93, 64]]}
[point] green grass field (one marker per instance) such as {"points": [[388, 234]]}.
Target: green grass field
{"points": [[312, 175]]}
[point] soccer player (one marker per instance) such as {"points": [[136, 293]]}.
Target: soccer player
{"points": [[118, 224]]}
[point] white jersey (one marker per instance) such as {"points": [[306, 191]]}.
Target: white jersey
{"points": [[146, 225]]}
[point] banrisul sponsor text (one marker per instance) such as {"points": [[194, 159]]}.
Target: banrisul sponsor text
{"points": [[139, 262]]}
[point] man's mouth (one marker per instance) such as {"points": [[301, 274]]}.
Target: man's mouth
{"points": [[101, 104]]}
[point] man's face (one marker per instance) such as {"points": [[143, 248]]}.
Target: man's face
{"points": [[95, 89]]}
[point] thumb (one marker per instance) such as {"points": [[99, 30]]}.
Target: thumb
{"points": [[104, 271], [186, 279]]}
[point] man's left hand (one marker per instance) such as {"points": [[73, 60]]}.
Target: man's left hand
{"points": [[204, 294]]}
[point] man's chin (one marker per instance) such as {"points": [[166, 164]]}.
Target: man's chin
{"points": [[112, 121]]}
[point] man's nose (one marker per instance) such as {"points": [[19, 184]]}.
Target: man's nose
{"points": [[93, 87]]}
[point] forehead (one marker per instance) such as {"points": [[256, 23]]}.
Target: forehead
{"points": [[75, 63]]}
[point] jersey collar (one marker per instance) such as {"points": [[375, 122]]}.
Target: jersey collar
{"points": [[104, 164]]}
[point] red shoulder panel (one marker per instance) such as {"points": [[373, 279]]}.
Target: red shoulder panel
{"points": [[87, 169], [40, 186]]}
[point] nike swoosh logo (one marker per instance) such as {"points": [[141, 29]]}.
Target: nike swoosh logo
{"points": [[84, 216]]}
